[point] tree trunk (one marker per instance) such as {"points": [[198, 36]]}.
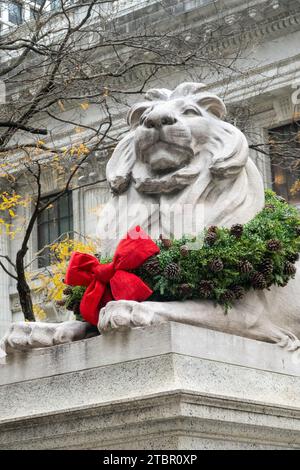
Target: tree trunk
{"points": [[23, 287]]}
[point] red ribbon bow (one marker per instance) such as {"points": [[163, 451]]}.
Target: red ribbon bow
{"points": [[111, 281]]}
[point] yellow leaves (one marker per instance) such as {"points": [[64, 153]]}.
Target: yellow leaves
{"points": [[8, 206], [40, 143], [9, 201], [295, 188], [61, 105], [79, 150], [105, 91], [38, 312], [84, 106], [83, 150], [63, 250], [52, 285]]}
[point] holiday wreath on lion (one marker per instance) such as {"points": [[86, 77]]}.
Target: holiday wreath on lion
{"points": [[226, 264]]}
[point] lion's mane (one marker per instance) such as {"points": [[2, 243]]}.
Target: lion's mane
{"points": [[220, 185]]}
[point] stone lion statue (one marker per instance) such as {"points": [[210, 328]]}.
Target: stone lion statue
{"points": [[180, 168]]}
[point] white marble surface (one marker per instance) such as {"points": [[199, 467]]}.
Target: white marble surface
{"points": [[169, 386]]}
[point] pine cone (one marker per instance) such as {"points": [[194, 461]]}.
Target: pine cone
{"points": [[271, 207], [258, 280], [266, 267], [185, 290], [238, 292], [210, 238], [293, 257], [206, 288], [152, 265], [67, 291], [289, 268], [166, 242], [237, 230], [76, 308], [274, 245], [216, 265], [184, 250], [60, 303], [244, 267], [227, 296], [70, 306], [172, 271], [212, 228]]}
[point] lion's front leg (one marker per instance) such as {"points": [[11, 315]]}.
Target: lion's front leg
{"points": [[247, 318], [124, 314], [24, 336]]}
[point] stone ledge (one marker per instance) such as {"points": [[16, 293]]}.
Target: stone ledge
{"points": [[141, 343], [170, 386]]}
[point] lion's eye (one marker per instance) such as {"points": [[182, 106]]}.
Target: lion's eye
{"points": [[190, 112]]}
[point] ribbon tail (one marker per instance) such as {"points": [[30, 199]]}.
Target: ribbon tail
{"points": [[128, 286], [91, 301]]}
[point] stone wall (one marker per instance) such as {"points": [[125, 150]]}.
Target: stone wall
{"points": [[172, 386]]}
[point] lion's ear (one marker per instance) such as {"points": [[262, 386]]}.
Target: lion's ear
{"points": [[135, 113], [212, 103], [120, 164]]}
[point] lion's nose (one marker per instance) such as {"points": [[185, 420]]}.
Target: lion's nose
{"points": [[158, 121]]}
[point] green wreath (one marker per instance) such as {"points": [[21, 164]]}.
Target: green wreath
{"points": [[228, 261]]}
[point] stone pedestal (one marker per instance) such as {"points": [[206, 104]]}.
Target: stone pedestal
{"points": [[171, 386]]}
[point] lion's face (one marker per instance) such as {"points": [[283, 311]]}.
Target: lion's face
{"points": [[176, 137], [170, 134]]}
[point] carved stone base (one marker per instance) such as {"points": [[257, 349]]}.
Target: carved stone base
{"points": [[171, 386]]}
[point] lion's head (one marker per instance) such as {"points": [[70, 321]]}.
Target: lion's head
{"points": [[180, 152], [174, 136]]}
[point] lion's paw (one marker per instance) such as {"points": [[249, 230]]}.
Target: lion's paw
{"points": [[124, 314], [24, 336]]}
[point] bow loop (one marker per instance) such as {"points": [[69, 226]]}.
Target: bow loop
{"points": [[106, 282]]}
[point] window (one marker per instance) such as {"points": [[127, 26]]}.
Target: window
{"points": [[38, 2], [285, 160], [52, 223], [55, 4], [15, 12], [35, 9], [33, 14]]}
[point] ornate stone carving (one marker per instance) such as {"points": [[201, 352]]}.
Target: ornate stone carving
{"points": [[179, 152]]}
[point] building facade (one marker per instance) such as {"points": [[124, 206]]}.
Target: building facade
{"points": [[270, 83]]}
